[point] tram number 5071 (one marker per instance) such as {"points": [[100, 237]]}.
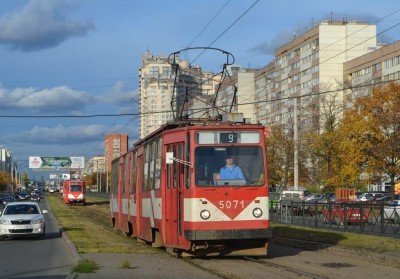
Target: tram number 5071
{"points": [[231, 204]]}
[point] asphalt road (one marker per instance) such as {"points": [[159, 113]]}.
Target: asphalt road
{"points": [[32, 258]]}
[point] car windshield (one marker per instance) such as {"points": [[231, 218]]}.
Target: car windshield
{"points": [[21, 209], [248, 166]]}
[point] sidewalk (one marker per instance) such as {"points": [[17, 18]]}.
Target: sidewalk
{"points": [[141, 266]]}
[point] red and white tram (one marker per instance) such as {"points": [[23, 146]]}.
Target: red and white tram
{"points": [[167, 191], [74, 192]]}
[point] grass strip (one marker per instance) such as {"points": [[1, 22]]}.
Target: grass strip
{"points": [[90, 237]]}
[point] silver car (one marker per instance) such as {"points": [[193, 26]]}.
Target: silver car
{"points": [[22, 219]]}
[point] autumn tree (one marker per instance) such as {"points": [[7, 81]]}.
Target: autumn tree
{"points": [[322, 142], [377, 131], [4, 180], [279, 156], [25, 178]]}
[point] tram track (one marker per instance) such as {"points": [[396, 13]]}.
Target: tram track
{"points": [[96, 214], [275, 265], [241, 267]]}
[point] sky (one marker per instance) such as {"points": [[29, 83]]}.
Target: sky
{"points": [[69, 69]]}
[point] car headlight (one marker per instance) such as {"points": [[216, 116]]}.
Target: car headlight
{"points": [[257, 212], [37, 221], [5, 222], [205, 214]]}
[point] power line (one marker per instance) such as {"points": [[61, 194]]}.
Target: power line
{"points": [[198, 109], [226, 30], [205, 27]]}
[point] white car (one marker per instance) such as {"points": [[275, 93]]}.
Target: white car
{"points": [[392, 211], [22, 219]]}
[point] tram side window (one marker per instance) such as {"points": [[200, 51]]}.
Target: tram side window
{"points": [[146, 168], [169, 169], [123, 178], [175, 176], [133, 173], [114, 177], [157, 172], [151, 166]]}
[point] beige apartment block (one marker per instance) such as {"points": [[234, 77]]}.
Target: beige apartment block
{"points": [[95, 165], [304, 72], [165, 97], [377, 67], [237, 94], [308, 68]]}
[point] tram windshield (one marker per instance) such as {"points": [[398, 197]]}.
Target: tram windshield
{"points": [[229, 166], [76, 188]]}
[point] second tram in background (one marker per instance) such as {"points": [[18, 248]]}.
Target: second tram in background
{"points": [[168, 190], [74, 192]]}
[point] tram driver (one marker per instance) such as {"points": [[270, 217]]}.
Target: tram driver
{"points": [[230, 170]]}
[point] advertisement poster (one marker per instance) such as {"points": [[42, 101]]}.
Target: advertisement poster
{"points": [[56, 163]]}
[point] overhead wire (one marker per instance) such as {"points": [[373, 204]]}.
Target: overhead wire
{"points": [[208, 24], [166, 111], [227, 29], [391, 27]]}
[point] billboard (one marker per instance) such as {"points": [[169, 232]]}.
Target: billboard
{"points": [[65, 176], [56, 163]]}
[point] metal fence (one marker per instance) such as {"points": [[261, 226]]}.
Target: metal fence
{"points": [[376, 219]]}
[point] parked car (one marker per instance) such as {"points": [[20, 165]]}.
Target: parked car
{"points": [[328, 197], [315, 197], [369, 197], [392, 211], [346, 211], [22, 219], [384, 199]]}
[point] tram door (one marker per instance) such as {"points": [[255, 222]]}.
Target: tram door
{"points": [[174, 196], [121, 180], [139, 198]]}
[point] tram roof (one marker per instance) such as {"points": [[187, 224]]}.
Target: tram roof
{"points": [[185, 123]]}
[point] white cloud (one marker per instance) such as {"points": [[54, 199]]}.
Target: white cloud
{"points": [[64, 135], [41, 24], [121, 94], [48, 100]]}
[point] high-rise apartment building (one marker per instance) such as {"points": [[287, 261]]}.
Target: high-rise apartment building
{"points": [[237, 94], [308, 65], [159, 103], [376, 67], [114, 146], [95, 165], [5, 159], [312, 66]]}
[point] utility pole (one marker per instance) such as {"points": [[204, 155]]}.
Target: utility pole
{"points": [[97, 180], [296, 151]]}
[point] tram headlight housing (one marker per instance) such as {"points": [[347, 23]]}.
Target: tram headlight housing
{"points": [[257, 212], [205, 214]]}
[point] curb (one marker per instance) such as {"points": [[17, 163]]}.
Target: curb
{"points": [[71, 247]]}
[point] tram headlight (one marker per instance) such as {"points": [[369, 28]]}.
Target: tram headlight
{"points": [[257, 212], [205, 214]]}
